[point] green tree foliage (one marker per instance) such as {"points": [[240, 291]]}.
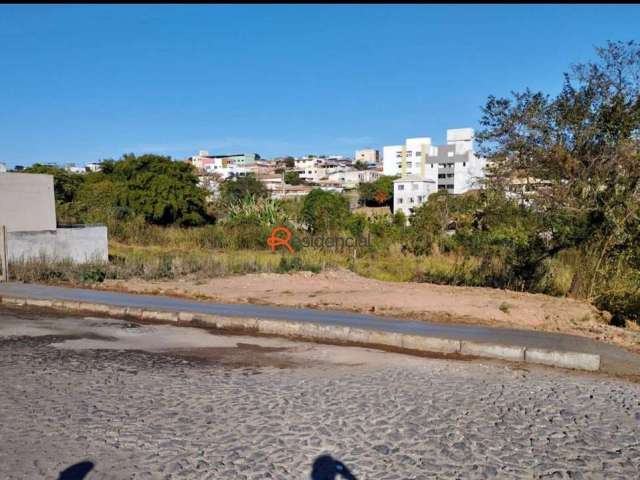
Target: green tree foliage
{"points": [[324, 211], [162, 191], [585, 144], [256, 211], [289, 162], [235, 190], [486, 225], [65, 184], [378, 193], [293, 178], [360, 165]]}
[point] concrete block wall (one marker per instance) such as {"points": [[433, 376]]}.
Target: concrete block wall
{"points": [[79, 245]]}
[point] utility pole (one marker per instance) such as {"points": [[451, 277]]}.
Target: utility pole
{"points": [[283, 170], [4, 255]]}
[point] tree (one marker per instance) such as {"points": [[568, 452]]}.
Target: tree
{"points": [[65, 184], [585, 144], [377, 193], [324, 211], [360, 165], [293, 178], [289, 162], [237, 189], [163, 191], [157, 188]]}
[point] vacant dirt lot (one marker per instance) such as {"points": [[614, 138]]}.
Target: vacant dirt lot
{"points": [[343, 290]]}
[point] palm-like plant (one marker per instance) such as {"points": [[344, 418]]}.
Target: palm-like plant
{"points": [[257, 211]]}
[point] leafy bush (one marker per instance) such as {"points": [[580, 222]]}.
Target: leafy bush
{"points": [[295, 263], [622, 306], [235, 190], [257, 211], [324, 211]]}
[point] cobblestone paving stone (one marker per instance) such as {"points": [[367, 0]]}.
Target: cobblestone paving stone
{"points": [[148, 415]]}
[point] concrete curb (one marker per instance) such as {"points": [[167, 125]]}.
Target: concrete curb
{"points": [[502, 352], [554, 358], [329, 333]]}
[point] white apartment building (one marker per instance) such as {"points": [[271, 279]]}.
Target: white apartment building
{"points": [[367, 155], [3, 168], [454, 167], [411, 191]]}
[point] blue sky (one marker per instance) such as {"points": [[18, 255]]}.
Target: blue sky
{"points": [[81, 83]]}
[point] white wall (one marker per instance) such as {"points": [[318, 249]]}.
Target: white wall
{"points": [[76, 244], [27, 202]]}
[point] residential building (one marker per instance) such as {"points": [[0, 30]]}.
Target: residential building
{"points": [[273, 183], [351, 178], [263, 168], [93, 167], [211, 184], [313, 169], [291, 191], [71, 168], [368, 156], [454, 166], [330, 186], [411, 191], [524, 189], [226, 170], [203, 159]]}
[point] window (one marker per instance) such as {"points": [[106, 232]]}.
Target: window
{"points": [[442, 187], [464, 164], [410, 199], [399, 201], [415, 186], [449, 175], [442, 175], [400, 187], [420, 197]]}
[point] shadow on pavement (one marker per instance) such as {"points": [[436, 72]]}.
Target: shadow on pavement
{"points": [[77, 471], [326, 467]]}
